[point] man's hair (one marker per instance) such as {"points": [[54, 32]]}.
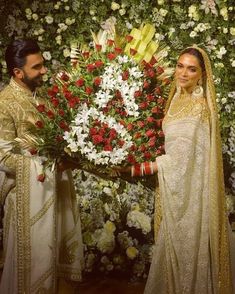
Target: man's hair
{"points": [[17, 51]]}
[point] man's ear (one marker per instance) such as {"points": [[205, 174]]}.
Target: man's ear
{"points": [[18, 73]]}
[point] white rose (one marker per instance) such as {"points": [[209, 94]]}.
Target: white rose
{"points": [[92, 12], [160, 2], [66, 52], [225, 30], [35, 16], [193, 34], [67, 8], [232, 31], [163, 12], [233, 63], [115, 6], [49, 19], [46, 55], [122, 11], [224, 13], [40, 38], [28, 11]]}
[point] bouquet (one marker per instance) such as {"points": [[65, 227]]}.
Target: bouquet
{"points": [[106, 109]]}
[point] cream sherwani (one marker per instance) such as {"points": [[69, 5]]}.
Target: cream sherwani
{"points": [[42, 235]]}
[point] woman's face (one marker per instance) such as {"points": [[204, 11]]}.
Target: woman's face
{"points": [[188, 72]]}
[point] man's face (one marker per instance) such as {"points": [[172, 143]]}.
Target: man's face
{"points": [[32, 71]]}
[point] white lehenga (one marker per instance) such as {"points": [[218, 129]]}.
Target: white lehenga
{"points": [[181, 260]]}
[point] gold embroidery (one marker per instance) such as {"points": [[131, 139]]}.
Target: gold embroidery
{"points": [[68, 252], [185, 106], [38, 286], [23, 228], [42, 211]]}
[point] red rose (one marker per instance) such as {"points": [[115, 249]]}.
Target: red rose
{"points": [[129, 38], [97, 81], [129, 126], [88, 90], [160, 100], [50, 114], [72, 102], [63, 125], [67, 94], [113, 134], [121, 143], [152, 142], [108, 148], [80, 82], [147, 155], [99, 63], [167, 81], [97, 139], [41, 178], [158, 90], [150, 133], [33, 151], [143, 105], [61, 112], [98, 47], [39, 124], [146, 84], [142, 148], [153, 60], [133, 51], [131, 159], [155, 109], [150, 73], [93, 131], [86, 54], [141, 124], [110, 42], [118, 50], [160, 70], [137, 135], [90, 67], [59, 138], [64, 77], [55, 89], [158, 152], [111, 56], [150, 119], [133, 148], [55, 101], [159, 122], [41, 107], [150, 97], [125, 75], [137, 94]]}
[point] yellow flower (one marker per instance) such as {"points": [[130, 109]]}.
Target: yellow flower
{"points": [[110, 227], [132, 252]]}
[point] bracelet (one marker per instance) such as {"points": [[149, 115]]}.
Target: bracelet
{"points": [[148, 168], [137, 170]]}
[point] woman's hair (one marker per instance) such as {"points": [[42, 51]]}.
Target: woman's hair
{"points": [[197, 54], [17, 51]]}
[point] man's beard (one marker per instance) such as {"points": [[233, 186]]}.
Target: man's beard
{"points": [[32, 83]]}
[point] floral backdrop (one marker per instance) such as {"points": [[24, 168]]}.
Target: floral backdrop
{"points": [[117, 217]]}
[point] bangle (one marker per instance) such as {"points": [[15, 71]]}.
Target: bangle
{"points": [[136, 170], [148, 168]]}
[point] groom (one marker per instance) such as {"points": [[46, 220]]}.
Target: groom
{"points": [[41, 224]]}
